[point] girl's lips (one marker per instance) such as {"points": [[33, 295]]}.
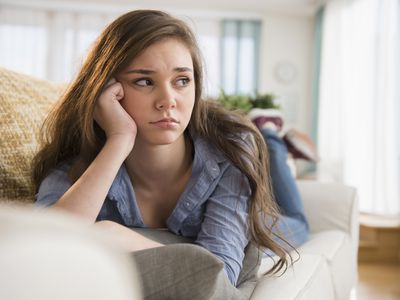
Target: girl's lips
{"points": [[166, 123]]}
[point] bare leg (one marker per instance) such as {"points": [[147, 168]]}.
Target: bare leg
{"points": [[127, 239]]}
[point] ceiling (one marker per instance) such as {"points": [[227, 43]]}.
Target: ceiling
{"points": [[307, 7], [256, 5]]}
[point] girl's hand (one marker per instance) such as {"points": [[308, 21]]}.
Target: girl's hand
{"points": [[111, 116]]}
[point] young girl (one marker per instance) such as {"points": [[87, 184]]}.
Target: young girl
{"points": [[132, 144]]}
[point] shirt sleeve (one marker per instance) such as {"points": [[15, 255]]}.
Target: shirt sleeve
{"points": [[53, 187], [224, 230]]}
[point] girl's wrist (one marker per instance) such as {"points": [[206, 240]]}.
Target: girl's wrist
{"points": [[122, 142]]}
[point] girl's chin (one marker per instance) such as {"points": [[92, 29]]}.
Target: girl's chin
{"points": [[165, 138]]}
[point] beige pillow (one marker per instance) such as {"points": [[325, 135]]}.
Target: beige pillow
{"points": [[24, 102]]}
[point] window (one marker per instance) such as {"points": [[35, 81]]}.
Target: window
{"points": [[240, 56]]}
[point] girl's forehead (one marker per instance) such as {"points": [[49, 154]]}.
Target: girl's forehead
{"points": [[169, 51]]}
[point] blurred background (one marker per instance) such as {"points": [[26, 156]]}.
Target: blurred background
{"points": [[332, 65]]}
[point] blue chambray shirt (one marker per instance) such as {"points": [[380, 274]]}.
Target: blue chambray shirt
{"points": [[213, 209]]}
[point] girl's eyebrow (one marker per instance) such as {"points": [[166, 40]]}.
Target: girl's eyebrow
{"points": [[148, 71], [140, 71], [183, 69]]}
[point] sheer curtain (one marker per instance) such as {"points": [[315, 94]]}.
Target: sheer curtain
{"points": [[45, 43], [23, 36], [51, 43], [359, 100], [240, 56]]}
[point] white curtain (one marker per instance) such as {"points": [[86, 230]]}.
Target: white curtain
{"points": [[51, 43], [45, 43], [208, 32], [359, 101], [240, 56]]}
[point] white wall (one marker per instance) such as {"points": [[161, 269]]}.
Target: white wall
{"points": [[286, 37], [286, 47]]}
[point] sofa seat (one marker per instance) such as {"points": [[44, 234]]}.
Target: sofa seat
{"points": [[314, 268], [326, 266], [335, 248], [308, 278]]}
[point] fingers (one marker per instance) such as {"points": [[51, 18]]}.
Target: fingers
{"points": [[109, 113], [114, 89], [109, 83], [120, 92]]}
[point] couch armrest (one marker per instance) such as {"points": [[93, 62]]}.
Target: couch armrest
{"points": [[334, 207], [50, 255], [330, 206]]}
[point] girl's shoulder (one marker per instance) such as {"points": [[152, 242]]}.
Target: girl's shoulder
{"points": [[206, 150], [208, 155], [245, 139]]}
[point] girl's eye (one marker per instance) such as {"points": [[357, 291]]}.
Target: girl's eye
{"points": [[184, 81], [143, 82]]}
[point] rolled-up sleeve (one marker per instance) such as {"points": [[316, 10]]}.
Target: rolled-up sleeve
{"points": [[53, 187], [224, 230]]}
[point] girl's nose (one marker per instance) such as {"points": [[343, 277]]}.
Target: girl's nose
{"points": [[166, 100]]}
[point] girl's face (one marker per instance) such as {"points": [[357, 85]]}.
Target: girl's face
{"points": [[159, 91]]}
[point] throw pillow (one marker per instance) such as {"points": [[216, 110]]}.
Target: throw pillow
{"points": [[24, 102], [182, 270]]}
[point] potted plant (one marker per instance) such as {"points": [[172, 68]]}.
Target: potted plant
{"points": [[258, 108], [235, 102], [263, 108]]}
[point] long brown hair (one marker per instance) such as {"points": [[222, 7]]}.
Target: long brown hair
{"points": [[69, 131]]}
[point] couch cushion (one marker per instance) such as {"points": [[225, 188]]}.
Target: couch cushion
{"points": [[204, 281], [336, 248], [333, 247], [308, 278], [183, 271], [326, 243], [24, 101]]}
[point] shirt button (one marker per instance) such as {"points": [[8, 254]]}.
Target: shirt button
{"points": [[212, 168], [214, 172]]}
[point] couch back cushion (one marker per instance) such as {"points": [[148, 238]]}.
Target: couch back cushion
{"points": [[24, 103]]}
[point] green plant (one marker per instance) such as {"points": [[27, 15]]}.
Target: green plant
{"points": [[264, 101], [246, 103], [233, 102]]}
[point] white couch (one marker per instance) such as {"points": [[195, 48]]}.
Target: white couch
{"points": [[50, 256], [327, 267]]}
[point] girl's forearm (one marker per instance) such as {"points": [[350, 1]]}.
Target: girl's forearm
{"points": [[86, 196]]}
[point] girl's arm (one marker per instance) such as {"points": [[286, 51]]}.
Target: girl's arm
{"points": [[225, 227], [86, 196]]}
